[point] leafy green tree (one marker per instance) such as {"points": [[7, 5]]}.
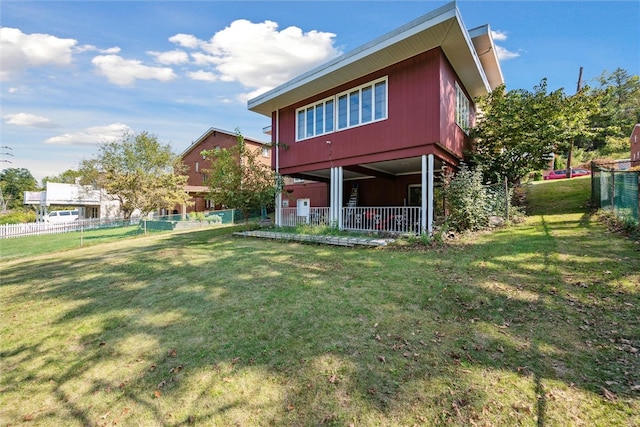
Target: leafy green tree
{"points": [[139, 172], [519, 129], [516, 131], [618, 95], [238, 179], [13, 183]]}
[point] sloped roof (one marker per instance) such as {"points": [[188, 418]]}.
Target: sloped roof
{"points": [[473, 57], [211, 130]]}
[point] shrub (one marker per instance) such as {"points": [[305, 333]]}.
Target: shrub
{"points": [[467, 200], [18, 217]]}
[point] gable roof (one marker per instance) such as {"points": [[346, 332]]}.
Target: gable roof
{"points": [[208, 133], [479, 72]]}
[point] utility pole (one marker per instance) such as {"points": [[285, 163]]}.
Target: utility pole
{"points": [[570, 152]]}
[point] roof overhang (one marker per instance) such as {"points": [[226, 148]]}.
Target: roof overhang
{"points": [[441, 28], [486, 50]]}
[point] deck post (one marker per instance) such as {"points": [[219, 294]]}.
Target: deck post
{"points": [[336, 192], [340, 196], [426, 213], [430, 194]]}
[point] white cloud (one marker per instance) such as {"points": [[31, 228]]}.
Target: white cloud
{"points": [[29, 120], [171, 57], [499, 35], [503, 53], [185, 40], [201, 75], [92, 48], [92, 136], [124, 72], [20, 51], [258, 55]]}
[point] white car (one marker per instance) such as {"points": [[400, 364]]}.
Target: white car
{"points": [[62, 216]]}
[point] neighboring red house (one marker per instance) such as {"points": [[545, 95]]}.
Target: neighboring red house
{"points": [[634, 140], [197, 165], [378, 124]]}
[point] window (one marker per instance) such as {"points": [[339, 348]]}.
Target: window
{"points": [[358, 106], [462, 110], [265, 151], [314, 120], [197, 166]]}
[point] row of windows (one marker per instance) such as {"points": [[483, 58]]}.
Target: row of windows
{"points": [[365, 104]]}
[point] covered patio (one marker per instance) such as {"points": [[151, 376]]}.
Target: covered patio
{"points": [[387, 196]]}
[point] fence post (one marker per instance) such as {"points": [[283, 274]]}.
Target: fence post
{"points": [[506, 198]]}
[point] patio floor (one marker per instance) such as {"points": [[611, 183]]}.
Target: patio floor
{"points": [[312, 238]]}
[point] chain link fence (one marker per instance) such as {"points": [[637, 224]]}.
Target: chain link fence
{"points": [[616, 187]]}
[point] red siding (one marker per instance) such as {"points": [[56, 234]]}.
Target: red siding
{"points": [[315, 191], [421, 105]]}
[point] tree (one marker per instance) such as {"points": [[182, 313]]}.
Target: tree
{"points": [[238, 179], [139, 172], [518, 130], [13, 183], [515, 132], [618, 96]]}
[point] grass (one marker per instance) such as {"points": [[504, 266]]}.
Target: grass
{"points": [[531, 325]]}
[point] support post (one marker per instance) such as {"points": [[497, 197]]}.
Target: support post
{"points": [[423, 198], [430, 163]]}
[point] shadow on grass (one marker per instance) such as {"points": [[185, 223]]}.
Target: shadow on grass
{"points": [[305, 335]]}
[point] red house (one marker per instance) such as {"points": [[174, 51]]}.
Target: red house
{"points": [[378, 124], [197, 165]]}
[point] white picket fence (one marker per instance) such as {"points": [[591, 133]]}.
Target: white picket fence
{"points": [[8, 231]]}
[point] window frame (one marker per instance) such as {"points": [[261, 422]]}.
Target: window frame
{"points": [[342, 108]]}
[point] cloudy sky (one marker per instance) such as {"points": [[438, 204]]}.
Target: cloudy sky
{"points": [[75, 74]]}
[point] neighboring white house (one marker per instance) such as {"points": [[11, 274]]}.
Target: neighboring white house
{"points": [[90, 202]]}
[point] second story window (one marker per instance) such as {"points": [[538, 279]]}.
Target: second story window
{"points": [[265, 151], [358, 106], [463, 118], [315, 119]]}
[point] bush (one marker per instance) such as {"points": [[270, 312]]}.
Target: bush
{"points": [[18, 217], [467, 200]]}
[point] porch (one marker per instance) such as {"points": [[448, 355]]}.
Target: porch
{"points": [[389, 197]]}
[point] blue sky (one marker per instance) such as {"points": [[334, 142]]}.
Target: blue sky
{"points": [[74, 74]]}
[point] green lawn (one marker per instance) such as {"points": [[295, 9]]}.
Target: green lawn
{"points": [[532, 325]]}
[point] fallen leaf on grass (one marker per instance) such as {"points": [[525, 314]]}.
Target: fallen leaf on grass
{"points": [[176, 369], [172, 353], [162, 384], [609, 395], [333, 379], [227, 379], [290, 407], [152, 367], [157, 394], [382, 358]]}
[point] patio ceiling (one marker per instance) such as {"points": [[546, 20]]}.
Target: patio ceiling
{"points": [[388, 169], [440, 28]]}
